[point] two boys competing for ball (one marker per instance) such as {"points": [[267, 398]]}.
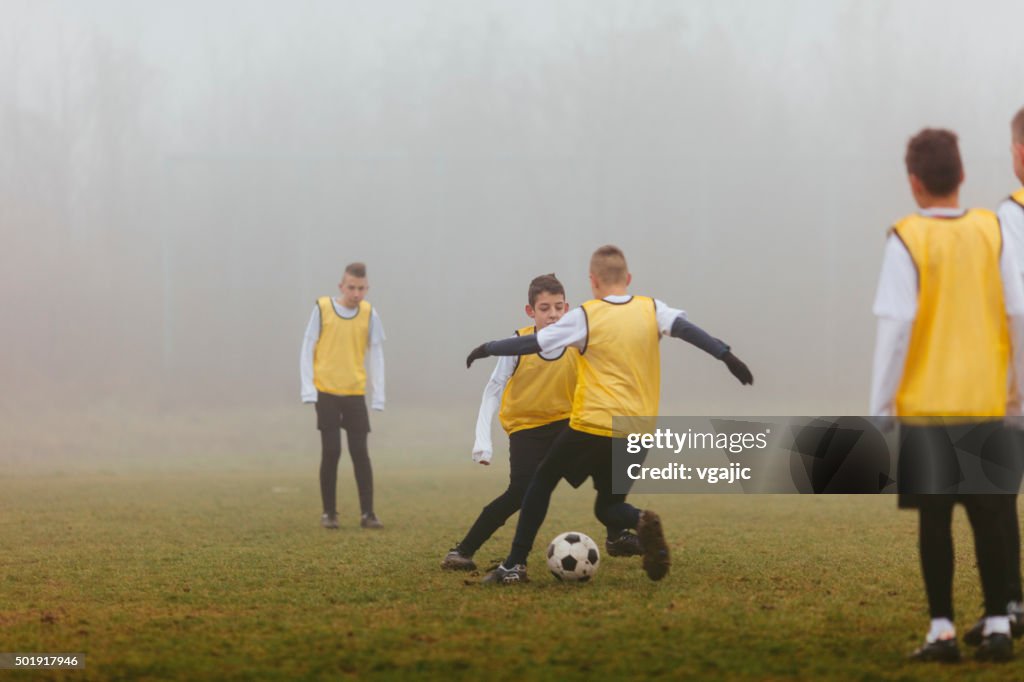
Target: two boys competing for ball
{"points": [[617, 336], [533, 397]]}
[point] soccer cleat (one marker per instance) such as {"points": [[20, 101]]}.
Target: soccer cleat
{"points": [[1014, 610], [997, 648], [371, 521], [941, 650], [328, 520], [652, 540], [627, 544], [975, 635], [455, 560], [506, 576]]}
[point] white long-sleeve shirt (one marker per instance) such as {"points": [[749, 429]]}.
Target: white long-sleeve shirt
{"points": [[896, 308], [374, 356], [571, 330]]}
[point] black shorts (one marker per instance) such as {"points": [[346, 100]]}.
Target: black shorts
{"points": [[937, 463], [342, 412], [583, 455], [528, 448]]}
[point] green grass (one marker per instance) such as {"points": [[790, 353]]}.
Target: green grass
{"points": [[219, 572]]}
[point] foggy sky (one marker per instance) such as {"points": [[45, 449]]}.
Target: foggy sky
{"points": [[180, 181]]}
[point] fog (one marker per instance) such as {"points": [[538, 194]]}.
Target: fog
{"points": [[180, 181]]}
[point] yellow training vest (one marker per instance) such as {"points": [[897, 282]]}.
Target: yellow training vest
{"points": [[620, 368], [959, 347], [338, 358], [539, 391], [1018, 197]]}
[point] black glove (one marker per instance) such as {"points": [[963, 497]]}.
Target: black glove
{"points": [[738, 369], [475, 354]]}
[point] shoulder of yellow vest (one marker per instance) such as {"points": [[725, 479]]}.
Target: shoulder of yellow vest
{"points": [[984, 212], [1017, 197], [526, 331]]}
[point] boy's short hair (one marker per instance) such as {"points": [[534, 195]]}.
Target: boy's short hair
{"points": [[544, 284], [356, 269], [608, 265], [934, 157], [1017, 127]]}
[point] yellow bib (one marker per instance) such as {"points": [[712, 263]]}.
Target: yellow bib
{"points": [[539, 391], [338, 358], [1018, 197], [620, 368], [959, 347]]}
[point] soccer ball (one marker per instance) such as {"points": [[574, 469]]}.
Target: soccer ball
{"points": [[573, 557]]}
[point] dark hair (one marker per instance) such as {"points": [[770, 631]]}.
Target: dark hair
{"points": [[934, 157], [544, 284], [608, 265], [356, 269], [1017, 126]]}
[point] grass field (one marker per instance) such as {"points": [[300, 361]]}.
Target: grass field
{"points": [[221, 572]]}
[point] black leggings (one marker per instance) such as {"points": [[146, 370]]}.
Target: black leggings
{"points": [[526, 450], [330, 440], [571, 452], [987, 516]]}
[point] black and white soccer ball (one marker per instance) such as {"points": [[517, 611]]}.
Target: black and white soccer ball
{"points": [[573, 557]]}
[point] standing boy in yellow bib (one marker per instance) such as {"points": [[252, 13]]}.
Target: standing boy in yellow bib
{"points": [[344, 334], [949, 308], [534, 393], [617, 336], [1011, 218]]}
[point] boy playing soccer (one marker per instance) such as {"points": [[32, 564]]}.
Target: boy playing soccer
{"points": [[535, 397], [341, 334], [617, 336], [949, 308]]}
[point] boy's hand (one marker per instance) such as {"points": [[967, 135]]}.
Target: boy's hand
{"points": [[476, 354], [738, 369]]}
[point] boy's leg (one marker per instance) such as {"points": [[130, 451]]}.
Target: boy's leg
{"points": [[935, 539], [330, 452], [527, 450], [538, 495], [610, 509], [359, 451], [986, 514], [614, 512], [356, 422], [328, 422]]}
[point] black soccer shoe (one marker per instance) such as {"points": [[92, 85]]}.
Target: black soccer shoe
{"points": [[975, 635], [370, 520], [627, 544], [997, 648], [328, 520], [655, 549], [941, 651], [506, 576], [455, 560]]}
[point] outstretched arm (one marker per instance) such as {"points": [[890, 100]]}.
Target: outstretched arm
{"points": [[515, 345], [571, 330], [718, 349], [673, 322]]}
